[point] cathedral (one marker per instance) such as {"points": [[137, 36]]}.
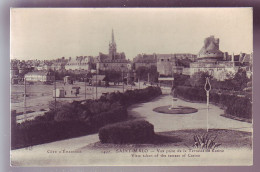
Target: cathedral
{"points": [[113, 60]]}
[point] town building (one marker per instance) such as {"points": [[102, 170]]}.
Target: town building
{"points": [[183, 56], [165, 63], [80, 63], [145, 60], [246, 63], [220, 70], [59, 64], [44, 66], [98, 80], [14, 69], [39, 76], [168, 64], [14, 73], [59, 93], [67, 80]]}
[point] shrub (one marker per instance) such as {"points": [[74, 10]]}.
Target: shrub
{"points": [[37, 132], [48, 116], [240, 107], [114, 115], [99, 106], [127, 132], [205, 142], [191, 93]]}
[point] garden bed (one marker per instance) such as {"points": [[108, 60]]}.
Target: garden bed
{"points": [[175, 110], [185, 139]]}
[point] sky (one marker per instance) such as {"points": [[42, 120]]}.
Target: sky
{"points": [[51, 33]]}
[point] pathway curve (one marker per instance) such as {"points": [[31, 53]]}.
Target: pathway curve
{"points": [[168, 122], [48, 154]]}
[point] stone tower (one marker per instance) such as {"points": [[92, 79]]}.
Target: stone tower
{"points": [[210, 51], [112, 47]]}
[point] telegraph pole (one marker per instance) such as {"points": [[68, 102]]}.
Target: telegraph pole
{"points": [[139, 83], [55, 88], [123, 79], [159, 80], [131, 82], [96, 87], [127, 78], [92, 90], [85, 89], [172, 77], [24, 111]]}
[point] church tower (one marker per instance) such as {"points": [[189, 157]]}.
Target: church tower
{"points": [[112, 47]]}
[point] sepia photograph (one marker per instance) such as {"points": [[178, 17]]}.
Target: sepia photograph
{"points": [[131, 87]]}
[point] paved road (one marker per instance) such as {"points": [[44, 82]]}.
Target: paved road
{"points": [[48, 154]]}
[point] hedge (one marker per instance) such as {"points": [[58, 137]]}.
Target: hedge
{"points": [[35, 132], [43, 130], [235, 105], [127, 132], [133, 96], [112, 116]]}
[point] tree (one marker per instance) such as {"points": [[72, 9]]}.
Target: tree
{"points": [[142, 73], [240, 80], [180, 80], [199, 79]]}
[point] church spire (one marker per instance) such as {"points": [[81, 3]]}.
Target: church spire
{"points": [[112, 47], [113, 40]]}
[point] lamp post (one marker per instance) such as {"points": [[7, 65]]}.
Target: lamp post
{"points": [[148, 79], [207, 88], [96, 87]]}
